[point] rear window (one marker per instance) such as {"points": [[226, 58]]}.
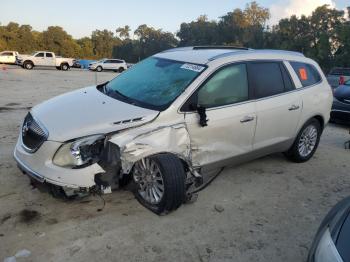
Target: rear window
{"points": [[340, 71], [308, 74]]}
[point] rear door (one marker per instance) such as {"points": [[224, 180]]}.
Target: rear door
{"points": [[50, 60], [278, 104], [230, 113]]}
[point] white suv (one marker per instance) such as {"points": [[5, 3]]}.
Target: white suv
{"points": [[116, 65], [172, 119]]}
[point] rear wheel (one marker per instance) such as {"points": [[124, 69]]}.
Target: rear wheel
{"points": [[120, 70], [306, 142], [160, 181]]}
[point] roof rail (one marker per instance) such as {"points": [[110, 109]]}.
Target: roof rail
{"points": [[257, 51], [220, 47]]}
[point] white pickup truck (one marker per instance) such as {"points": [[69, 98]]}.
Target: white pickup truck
{"points": [[8, 57], [45, 59]]}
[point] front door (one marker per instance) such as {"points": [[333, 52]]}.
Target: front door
{"points": [[39, 59], [231, 117]]}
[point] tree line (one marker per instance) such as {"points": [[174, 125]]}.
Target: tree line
{"points": [[323, 36]]}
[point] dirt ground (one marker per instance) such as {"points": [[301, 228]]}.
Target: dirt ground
{"points": [[271, 207]]}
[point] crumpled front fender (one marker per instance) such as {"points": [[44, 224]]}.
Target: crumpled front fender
{"points": [[136, 144]]}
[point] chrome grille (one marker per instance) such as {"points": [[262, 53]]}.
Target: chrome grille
{"points": [[33, 134]]}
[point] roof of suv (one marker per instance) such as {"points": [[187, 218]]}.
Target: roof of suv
{"points": [[204, 54]]}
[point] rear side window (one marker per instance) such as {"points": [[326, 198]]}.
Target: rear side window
{"points": [[49, 55], [266, 79], [308, 74]]}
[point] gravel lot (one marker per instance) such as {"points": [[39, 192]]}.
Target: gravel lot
{"points": [[272, 207]]}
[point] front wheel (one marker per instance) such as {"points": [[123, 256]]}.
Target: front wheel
{"points": [[64, 67], [28, 65], [160, 181], [306, 142], [99, 69]]}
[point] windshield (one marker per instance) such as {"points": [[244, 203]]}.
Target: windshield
{"points": [[154, 83], [347, 83]]}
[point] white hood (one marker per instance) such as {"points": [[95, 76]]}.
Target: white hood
{"points": [[87, 111]]}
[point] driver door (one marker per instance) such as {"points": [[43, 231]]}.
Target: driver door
{"points": [[231, 118]]}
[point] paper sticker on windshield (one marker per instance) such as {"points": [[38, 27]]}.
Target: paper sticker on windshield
{"points": [[192, 67]]}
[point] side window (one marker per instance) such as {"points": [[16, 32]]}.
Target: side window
{"points": [[39, 55], [49, 55], [107, 62], [7, 54], [266, 79], [229, 85], [288, 82], [308, 74]]}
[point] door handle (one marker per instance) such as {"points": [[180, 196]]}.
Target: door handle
{"points": [[247, 119], [293, 107]]}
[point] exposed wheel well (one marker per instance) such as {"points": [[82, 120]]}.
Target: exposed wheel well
{"points": [[320, 120]]}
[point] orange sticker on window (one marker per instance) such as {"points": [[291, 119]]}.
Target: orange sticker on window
{"points": [[303, 74]]}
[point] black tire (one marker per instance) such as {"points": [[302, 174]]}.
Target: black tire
{"points": [[293, 153], [28, 65], [99, 69], [58, 67], [121, 70], [64, 67], [173, 174]]}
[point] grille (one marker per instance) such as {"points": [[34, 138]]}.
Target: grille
{"points": [[33, 135]]}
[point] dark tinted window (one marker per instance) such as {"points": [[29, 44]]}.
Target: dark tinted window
{"points": [[288, 83], [7, 54], [340, 71], [49, 55], [227, 86], [40, 55], [266, 79], [307, 73]]}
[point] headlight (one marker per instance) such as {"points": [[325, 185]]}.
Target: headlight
{"points": [[79, 153]]}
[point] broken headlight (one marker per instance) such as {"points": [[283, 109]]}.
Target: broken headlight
{"points": [[80, 153]]}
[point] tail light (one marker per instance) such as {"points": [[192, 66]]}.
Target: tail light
{"points": [[341, 80]]}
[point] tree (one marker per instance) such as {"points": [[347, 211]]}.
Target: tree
{"points": [[103, 42], [57, 40], [123, 32]]}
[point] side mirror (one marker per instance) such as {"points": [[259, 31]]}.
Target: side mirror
{"points": [[201, 110]]}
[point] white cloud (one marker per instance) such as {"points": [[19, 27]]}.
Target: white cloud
{"points": [[286, 8]]}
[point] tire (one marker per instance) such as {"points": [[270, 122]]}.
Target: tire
{"points": [[120, 70], [172, 176], [64, 67], [28, 65], [299, 152], [58, 67], [99, 69]]}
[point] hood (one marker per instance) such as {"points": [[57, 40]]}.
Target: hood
{"points": [[23, 56], [87, 111]]}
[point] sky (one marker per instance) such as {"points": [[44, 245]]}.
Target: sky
{"points": [[80, 17]]}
